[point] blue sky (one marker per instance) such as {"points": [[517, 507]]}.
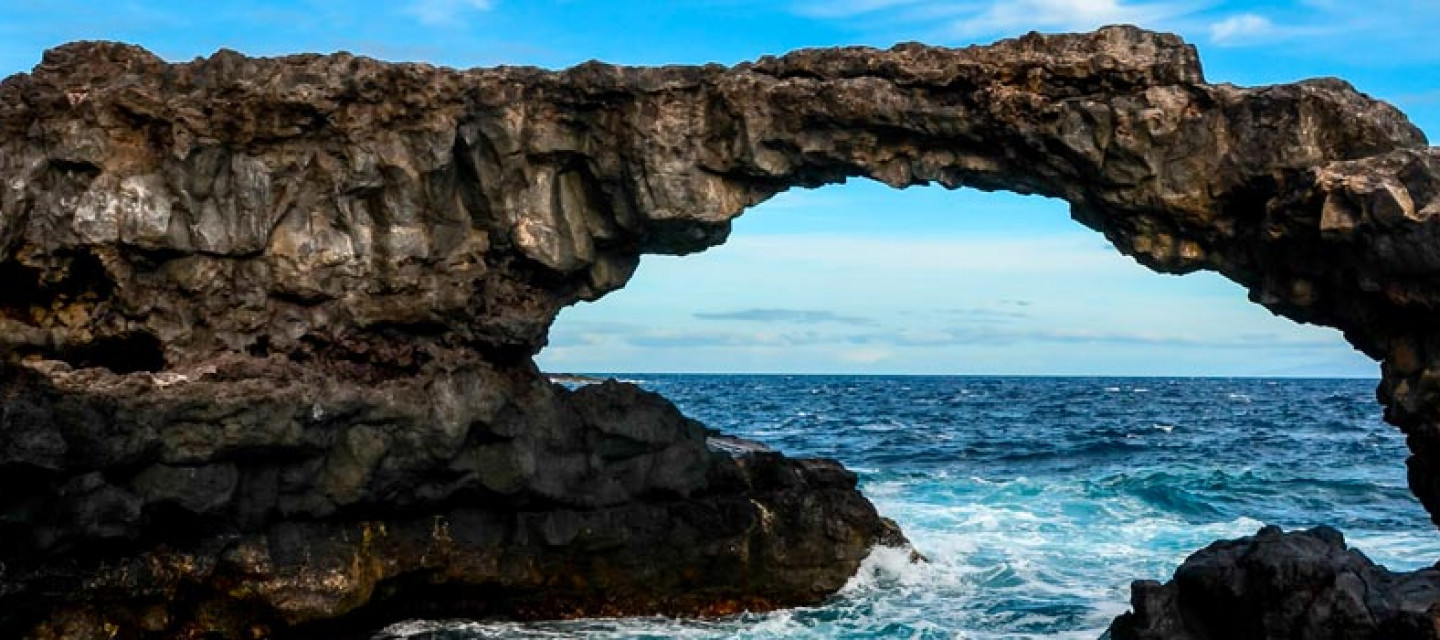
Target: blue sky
{"points": [[856, 277]]}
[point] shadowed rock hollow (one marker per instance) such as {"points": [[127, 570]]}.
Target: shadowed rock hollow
{"points": [[269, 322]]}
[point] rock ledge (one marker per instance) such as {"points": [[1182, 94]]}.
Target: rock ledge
{"points": [[1303, 585]]}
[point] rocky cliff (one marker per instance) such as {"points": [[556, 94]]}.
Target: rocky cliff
{"points": [[268, 323]]}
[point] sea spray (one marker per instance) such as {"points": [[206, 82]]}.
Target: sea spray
{"points": [[1038, 500]]}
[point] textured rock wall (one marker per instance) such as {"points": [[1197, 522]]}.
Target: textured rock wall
{"points": [[260, 498], [1305, 585], [342, 209], [246, 298]]}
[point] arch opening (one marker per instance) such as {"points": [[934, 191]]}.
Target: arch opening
{"points": [[1174, 412], [862, 278]]}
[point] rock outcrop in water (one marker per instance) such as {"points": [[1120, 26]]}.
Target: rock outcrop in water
{"points": [[268, 323], [1303, 585], [264, 499]]}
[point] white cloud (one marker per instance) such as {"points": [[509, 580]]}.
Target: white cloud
{"points": [[1324, 25], [1242, 27], [1008, 255], [967, 20], [1383, 33], [848, 8], [1012, 16], [865, 356], [445, 13]]}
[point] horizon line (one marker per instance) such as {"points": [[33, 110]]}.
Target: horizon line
{"points": [[594, 374]]}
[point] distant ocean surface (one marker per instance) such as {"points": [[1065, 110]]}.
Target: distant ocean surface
{"points": [[1038, 500]]}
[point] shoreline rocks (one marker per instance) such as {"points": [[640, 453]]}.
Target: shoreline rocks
{"points": [[289, 510], [1303, 585]]}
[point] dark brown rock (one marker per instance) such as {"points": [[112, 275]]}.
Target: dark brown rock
{"points": [[1303, 585], [308, 289], [260, 497]]}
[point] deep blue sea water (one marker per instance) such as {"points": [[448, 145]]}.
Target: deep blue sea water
{"points": [[1038, 500]]}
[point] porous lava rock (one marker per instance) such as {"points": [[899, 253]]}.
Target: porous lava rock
{"points": [[262, 498], [1302, 585], [268, 324]]}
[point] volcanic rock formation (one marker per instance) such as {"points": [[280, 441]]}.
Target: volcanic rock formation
{"points": [[1303, 585], [268, 323]]}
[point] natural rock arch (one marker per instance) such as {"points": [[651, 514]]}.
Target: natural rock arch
{"points": [[312, 220]]}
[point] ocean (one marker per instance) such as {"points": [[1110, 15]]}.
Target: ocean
{"points": [[1038, 500]]}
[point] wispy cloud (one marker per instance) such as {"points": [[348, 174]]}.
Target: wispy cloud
{"points": [[1137, 338], [1237, 28], [1009, 16], [988, 312], [445, 13], [999, 330], [991, 336], [985, 313], [865, 356], [1390, 31], [704, 339], [790, 316], [622, 334], [966, 20], [1255, 29], [592, 334], [1000, 255], [848, 8]]}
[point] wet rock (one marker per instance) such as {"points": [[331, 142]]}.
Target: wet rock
{"points": [[349, 519], [1303, 585]]}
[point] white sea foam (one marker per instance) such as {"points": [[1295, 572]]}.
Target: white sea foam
{"points": [[1017, 548], [1397, 551], [887, 567]]}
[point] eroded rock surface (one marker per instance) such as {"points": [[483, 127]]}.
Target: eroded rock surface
{"points": [[268, 323], [1303, 585], [261, 498]]}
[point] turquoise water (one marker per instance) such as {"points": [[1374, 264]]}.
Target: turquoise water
{"points": [[1038, 500]]}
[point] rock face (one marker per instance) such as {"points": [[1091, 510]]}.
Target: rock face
{"points": [[265, 499], [268, 323], [1303, 585]]}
